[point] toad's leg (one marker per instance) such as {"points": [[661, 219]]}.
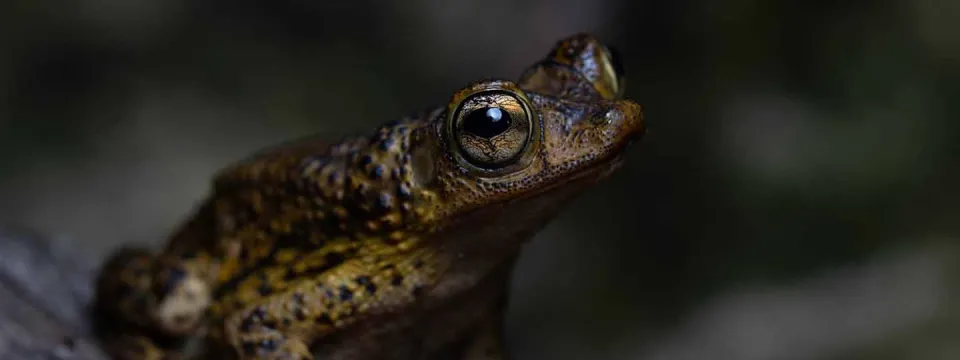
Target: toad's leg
{"points": [[138, 347], [284, 325], [139, 294], [487, 341]]}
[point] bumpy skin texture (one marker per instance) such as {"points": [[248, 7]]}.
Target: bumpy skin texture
{"points": [[395, 245]]}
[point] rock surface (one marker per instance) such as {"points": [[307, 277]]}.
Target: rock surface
{"points": [[44, 290]]}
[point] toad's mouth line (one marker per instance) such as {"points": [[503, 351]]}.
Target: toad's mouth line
{"points": [[592, 172], [583, 176], [577, 181]]}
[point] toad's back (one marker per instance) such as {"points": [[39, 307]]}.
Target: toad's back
{"points": [[394, 245]]}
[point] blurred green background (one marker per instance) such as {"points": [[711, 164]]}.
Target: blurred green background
{"points": [[795, 197]]}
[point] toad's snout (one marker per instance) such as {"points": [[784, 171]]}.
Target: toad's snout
{"points": [[622, 122]]}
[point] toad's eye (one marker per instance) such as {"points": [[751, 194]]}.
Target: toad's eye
{"points": [[487, 122], [492, 128]]}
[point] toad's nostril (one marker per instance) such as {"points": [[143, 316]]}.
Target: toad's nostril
{"points": [[632, 115], [606, 118], [623, 117]]}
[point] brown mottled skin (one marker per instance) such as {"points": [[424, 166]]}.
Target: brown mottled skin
{"points": [[394, 245]]}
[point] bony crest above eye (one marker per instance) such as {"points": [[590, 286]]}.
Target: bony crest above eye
{"points": [[492, 127]]}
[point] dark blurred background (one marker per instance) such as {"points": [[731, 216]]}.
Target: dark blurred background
{"points": [[795, 197]]}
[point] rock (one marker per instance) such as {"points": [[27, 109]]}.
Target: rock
{"points": [[44, 290]]}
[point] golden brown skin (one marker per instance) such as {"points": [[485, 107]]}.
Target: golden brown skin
{"points": [[395, 245]]}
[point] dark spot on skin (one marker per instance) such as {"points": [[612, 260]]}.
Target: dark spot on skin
{"points": [[249, 348], [288, 239], [334, 178], [173, 278], [325, 319], [367, 284], [247, 324], [384, 201], [300, 314], [297, 299], [345, 294], [251, 320], [403, 191], [313, 164], [268, 345], [333, 258], [377, 172], [397, 280], [366, 160], [386, 144], [264, 289]]}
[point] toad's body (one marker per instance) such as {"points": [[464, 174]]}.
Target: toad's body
{"points": [[396, 245]]}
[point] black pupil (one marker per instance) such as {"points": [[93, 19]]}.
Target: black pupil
{"points": [[487, 122]]}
